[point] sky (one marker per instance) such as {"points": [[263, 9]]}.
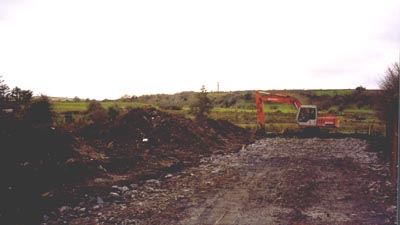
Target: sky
{"points": [[109, 48]]}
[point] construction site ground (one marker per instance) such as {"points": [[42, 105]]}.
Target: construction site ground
{"points": [[272, 181]]}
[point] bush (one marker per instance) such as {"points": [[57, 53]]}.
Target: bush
{"points": [[32, 162], [170, 107], [202, 107], [39, 112], [113, 112], [97, 113]]}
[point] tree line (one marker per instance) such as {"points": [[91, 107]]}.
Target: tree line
{"points": [[13, 98]]}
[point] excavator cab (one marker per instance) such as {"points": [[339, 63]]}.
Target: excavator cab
{"points": [[307, 115]]}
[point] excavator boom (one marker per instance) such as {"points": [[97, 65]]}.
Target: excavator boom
{"points": [[306, 114], [274, 98]]}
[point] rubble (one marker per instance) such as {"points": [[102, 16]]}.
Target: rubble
{"points": [[273, 181]]}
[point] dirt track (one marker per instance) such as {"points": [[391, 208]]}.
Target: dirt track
{"points": [[273, 181]]}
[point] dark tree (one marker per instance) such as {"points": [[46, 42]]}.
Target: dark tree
{"points": [[76, 99], [4, 91], [40, 112], [19, 96], [26, 96], [388, 99], [360, 89], [15, 95], [201, 108]]}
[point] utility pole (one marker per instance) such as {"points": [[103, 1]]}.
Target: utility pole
{"points": [[218, 87]]}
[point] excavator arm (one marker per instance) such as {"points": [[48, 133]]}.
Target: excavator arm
{"points": [[275, 98]]}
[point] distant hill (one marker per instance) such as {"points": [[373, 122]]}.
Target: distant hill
{"points": [[325, 99]]}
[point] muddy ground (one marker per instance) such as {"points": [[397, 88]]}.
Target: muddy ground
{"points": [[272, 181]]}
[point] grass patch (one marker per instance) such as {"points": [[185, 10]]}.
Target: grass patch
{"points": [[63, 106]]}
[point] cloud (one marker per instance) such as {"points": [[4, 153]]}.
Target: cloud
{"points": [[139, 47], [8, 5], [393, 32]]}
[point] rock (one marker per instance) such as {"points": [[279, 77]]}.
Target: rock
{"points": [[124, 189], [96, 207], [100, 201], [114, 194], [82, 210], [343, 197], [391, 209], [134, 186], [153, 182], [45, 217], [100, 167], [168, 176], [65, 209]]}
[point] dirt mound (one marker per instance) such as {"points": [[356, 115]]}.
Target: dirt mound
{"points": [[44, 167], [141, 128], [152, 142], [140, 145], [149, 132]]}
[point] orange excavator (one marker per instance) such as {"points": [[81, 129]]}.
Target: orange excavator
{"points": [[307, 115]]}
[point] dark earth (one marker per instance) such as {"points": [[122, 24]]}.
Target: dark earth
{"points": [[272, 181], [150, 167]]}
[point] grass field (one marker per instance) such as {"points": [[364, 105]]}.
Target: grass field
{"points": [[64, 106], [283, 117], [239, 108]]}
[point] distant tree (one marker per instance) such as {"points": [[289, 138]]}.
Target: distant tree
{"points": [[40, 112], [360, 89], [15, 94], [20, 96], [201, 108], [76, 99], [388, 99], [4, 90], [96, 112], [26, 96], [133, 98], [249, 96], [125, 98]]}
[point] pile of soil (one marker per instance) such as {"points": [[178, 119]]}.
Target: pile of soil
{"points": [[149, 135], [140, 145]]}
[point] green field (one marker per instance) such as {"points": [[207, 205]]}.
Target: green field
{"points": [[354, 109], [67, 106]]}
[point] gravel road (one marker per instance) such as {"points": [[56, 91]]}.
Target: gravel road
{"points": [[272, 181]]}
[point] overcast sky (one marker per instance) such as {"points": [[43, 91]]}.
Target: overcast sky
{"points": [[105, 49]]}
